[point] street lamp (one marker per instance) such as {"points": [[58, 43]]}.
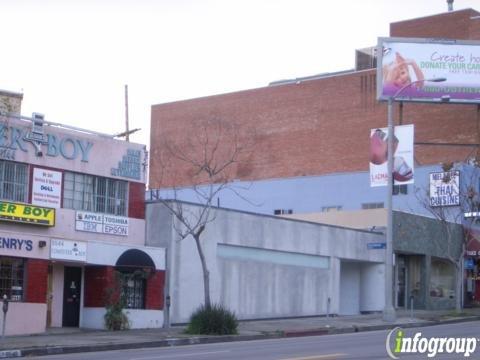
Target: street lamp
{"points": [[389, 310]]}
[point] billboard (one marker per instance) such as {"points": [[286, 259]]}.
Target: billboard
{"points": [[404, 61], [402, 156]]}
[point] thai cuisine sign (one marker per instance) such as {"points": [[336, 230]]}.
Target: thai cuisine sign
{"points": [[408, 63], [444, 188], [402, 156]]}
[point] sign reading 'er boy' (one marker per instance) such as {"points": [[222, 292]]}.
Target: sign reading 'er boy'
{"points": [[28, 214]]}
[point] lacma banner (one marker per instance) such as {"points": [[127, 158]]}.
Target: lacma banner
{"points": [[403, 61], [402, 156]]}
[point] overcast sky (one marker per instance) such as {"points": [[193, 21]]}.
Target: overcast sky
{"points": [[71, 59]]}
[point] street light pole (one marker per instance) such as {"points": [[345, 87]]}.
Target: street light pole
{"points": [[389, 313]]}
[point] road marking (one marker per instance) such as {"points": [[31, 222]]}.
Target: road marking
{"points": [[318, 357], [180, 355]]}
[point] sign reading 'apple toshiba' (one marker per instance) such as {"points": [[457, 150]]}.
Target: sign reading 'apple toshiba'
{"points": [[28, 214], [101, 223]]}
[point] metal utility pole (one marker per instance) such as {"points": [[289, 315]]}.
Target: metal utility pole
{"points": [[389, 313]]}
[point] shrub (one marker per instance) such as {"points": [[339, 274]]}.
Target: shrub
{"points": [[115, 318], [212, 320]]}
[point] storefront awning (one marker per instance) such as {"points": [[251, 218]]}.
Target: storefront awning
{"points": [[135, 258]]}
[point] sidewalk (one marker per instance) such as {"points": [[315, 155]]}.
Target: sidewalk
{"points": [[67, 340]]}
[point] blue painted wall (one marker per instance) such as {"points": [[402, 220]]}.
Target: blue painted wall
{"points": [[312, 194]]}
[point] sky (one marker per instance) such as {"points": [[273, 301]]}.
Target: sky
{"points": [[72, 59]]}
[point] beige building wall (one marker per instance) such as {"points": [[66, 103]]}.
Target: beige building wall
{"points": [[358, 219]]}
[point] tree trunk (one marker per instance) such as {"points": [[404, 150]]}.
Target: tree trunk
{"points": [[206, 274]]}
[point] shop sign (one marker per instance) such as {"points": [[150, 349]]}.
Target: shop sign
{"points": [[28, 214], [46, 187], [469, 264], [444, 188], [130, 166], [12, 243], [472, 252], [13, 138], [101, 223], [68, 250]]}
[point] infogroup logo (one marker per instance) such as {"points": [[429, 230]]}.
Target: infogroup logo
{"points": [[397, 343]]}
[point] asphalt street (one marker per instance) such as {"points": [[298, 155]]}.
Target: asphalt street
{"points": [[363, 345]]}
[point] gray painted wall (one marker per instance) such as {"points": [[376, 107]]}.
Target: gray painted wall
{"points": [[271, 283]]}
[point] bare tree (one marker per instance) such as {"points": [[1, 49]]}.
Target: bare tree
{"points": [[451, 217], [211, 157]]}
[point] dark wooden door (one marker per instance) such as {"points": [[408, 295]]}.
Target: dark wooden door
{"points": [[71, 296]]}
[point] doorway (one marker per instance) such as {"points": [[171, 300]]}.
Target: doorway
{"points": [[71, 296], [401, 281]]}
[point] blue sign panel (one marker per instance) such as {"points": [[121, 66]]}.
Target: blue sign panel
{"points": [[469, 264], [376, 246]]}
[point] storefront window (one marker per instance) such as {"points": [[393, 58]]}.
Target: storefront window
{"points": [[133, 289], [94, 193], [442, 279], [13, 181], [11, 278]]}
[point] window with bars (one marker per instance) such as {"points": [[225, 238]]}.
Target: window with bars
{"points": [[400, 190], [94, 193], [374, 205], [13, 181], [282, 211], [11, 278], [133, 290], [331, 208]]}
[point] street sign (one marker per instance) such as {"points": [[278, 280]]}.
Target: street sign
{"points": [[376, 246]]}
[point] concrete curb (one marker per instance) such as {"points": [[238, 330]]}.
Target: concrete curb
{"points": [[56, 350], [353, 329]]}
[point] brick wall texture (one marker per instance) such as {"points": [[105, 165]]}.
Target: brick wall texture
{"points": [[100, 278], [319, 126], [154, 291], [37, 277], [97, 280], [136, 200]]}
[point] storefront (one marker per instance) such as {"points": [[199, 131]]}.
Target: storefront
{"points": [[425, 276], [70, 220], [472, 271]]}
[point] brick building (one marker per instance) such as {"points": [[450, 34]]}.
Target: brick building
{"points": [[320, 125], [70, 220]]}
